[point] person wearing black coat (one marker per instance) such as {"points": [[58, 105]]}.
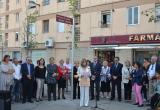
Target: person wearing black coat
{"points": [[96, 67], [76, 82], [116, 78]]}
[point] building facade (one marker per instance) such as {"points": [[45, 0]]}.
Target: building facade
{"points": [[105, 28]]}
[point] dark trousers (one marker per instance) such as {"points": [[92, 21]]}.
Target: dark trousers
{"points": [[51, 89], [127, 90], [97, 84], [144, 91], [34, 89], [17, 89], [27, 89], [116, 83], [75, 87]]}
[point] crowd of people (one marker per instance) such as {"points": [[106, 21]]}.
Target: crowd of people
{"points": [[89, 79]]}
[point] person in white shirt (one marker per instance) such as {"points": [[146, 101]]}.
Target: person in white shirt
{"points": [[68, 76], [126, 80], [17, 79], [153, 70], [84, 73], [105, 79]]}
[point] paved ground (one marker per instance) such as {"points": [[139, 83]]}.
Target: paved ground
{"points": [[74, 105], [68, 104]]}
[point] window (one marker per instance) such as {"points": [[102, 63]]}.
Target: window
{"points": [[0, 23], [1, 37], [17, 17], [6, 40], [17, 1], [16, 36], [32, 28], [1, 4], [133, 15], [46, 2], [61, 1], [7, 20], [106, 18], [61, 27], [45, 26], [157, 12]]}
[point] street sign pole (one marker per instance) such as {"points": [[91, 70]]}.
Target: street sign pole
{"points": [[70, 21], [72, 56]]}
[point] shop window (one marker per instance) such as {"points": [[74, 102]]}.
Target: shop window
{"points": [[133, 15], [106, 19]]}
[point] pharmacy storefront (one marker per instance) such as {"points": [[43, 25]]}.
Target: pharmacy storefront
{"points": [[134, 47]]}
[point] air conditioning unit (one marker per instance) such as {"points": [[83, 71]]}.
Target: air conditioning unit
{"points": [[24, 44], [49, 43]]}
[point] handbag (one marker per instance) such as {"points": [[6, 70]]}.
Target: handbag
{"points": [[51, 80]]}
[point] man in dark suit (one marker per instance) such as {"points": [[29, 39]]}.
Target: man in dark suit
{"points": [[27, 70], [95, 77], [116, 78]]}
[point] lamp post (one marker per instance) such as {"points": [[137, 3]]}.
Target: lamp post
{"points": [[72, 56]]}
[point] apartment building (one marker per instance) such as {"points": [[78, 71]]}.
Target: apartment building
{"points": [[105, 28]]}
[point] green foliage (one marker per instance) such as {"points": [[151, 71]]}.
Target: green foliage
{"points": [[150, 13], [75, 12], [30, 18], [73, 7]]}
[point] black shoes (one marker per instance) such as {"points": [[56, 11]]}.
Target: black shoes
{"points": [[119, 100], [92, 98], [23, 102], [30, 101], [140, 105], [63, 97], [111, 98], [135, 104]]}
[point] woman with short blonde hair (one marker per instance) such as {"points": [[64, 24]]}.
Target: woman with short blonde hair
{"points": [[84, 78]]}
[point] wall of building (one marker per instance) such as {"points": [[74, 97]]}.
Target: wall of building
{"points": [[90, 25]]}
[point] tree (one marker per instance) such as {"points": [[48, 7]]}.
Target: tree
{"points": [[151, 13], [28, 35], [73, 6]]}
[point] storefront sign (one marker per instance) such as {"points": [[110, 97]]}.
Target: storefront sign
{"points": [[126, 39], [144, 37]]}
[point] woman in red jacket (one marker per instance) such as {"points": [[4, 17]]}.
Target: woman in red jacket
{"points": [[62, 71]]}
